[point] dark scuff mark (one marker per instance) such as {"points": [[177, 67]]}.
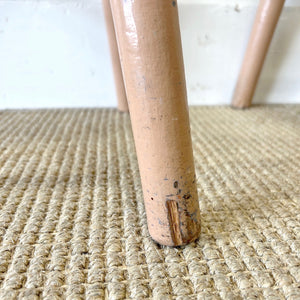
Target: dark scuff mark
{"points": [[187, 196]]}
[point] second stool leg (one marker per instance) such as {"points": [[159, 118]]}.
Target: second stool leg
{"points": [[114, 52], [150, 48], [264, 26]]}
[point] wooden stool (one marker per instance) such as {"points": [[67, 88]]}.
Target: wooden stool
{"points": [[150, 50], [264, 26]]}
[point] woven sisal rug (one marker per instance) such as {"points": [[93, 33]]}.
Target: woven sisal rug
{"points": [[72, 220]]}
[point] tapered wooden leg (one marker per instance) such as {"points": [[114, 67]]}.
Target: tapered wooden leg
{"points": [[150, 48], [114, 52], [264, 26]]}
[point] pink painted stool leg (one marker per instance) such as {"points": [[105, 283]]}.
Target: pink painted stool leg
{"points": [[264, 26], [150, 47], [114, 52]]}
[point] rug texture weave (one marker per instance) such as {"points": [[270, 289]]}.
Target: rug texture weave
{"points": [[72, 219]]}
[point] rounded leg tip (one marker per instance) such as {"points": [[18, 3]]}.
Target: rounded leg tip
{"points": [[239, 104], [123, 109], [241, 100], [239, 107]]}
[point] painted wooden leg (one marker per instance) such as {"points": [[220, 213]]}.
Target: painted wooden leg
{"points": [[114, 52], [264, 26], [151, 54]]}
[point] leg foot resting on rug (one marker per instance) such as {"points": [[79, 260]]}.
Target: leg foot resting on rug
{"points": [[150, 48]]}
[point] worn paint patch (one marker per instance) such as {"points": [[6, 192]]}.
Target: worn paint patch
{"points": [[174, 222]]}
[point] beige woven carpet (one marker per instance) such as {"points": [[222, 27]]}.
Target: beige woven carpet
{"points": [[72, 221]]}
